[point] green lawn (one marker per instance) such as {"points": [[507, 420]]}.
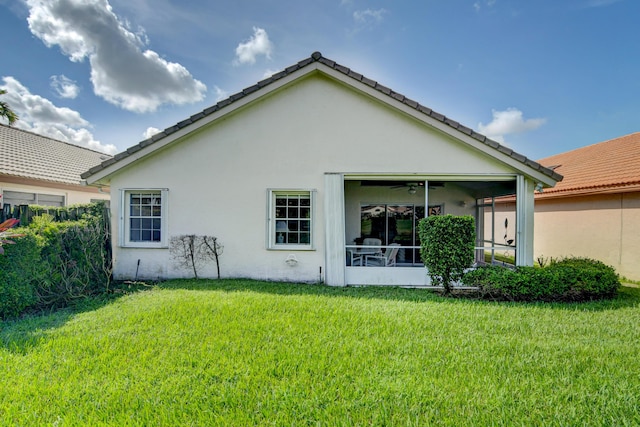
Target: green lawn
{"points": [[243, 353]]}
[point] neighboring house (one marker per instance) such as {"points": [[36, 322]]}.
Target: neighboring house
{"points": [[294, 173], [36, 170], [595, 211]]}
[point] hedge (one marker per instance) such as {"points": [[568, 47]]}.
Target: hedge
{"points": [[570, 279], [20, 270], [447, 247], [56, 263]]}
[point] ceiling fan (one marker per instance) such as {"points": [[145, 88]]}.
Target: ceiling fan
{"points": [[412, 187]]}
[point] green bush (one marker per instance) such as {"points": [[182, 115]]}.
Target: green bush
{"points": [[20, 269], [570, 279], [447, 247], [589, 278], [75, 258]]}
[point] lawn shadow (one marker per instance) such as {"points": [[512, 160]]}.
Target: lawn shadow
{"points": [[626, 297], [22, 334]]}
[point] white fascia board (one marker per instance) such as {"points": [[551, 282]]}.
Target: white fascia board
{"points": [[429, 177]]}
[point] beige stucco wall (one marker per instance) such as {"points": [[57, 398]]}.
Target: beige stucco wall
{"points": [[217, 177], [604, 227]]}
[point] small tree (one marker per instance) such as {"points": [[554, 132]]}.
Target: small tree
{"points": [[447, 247], [190, 251], [6, 111]]}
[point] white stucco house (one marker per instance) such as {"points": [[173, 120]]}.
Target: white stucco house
{"points": [[293, 173]]}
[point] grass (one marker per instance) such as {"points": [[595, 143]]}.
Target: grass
{"points": [[244, 353]]}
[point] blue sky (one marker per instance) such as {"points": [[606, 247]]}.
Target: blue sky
{"points": [[541, 77]]}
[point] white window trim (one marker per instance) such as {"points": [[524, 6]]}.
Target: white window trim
{"points": [[271, 220], [123, 220]]}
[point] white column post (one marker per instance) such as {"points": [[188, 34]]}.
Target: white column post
{"points": [[524, 220], [335, 252]]}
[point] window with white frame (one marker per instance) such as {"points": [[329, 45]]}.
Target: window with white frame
{"points": [[144, 218], [291, 219]]}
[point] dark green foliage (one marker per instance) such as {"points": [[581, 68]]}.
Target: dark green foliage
{"points": [[20, 269], [26, 213], [76, 259], [570, 279], [447, 247], [56, 263]]}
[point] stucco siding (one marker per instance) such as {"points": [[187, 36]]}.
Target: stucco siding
{"points": [[604, 227], [217, 177]]}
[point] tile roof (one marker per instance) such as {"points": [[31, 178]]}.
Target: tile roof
{"points": [[609, 166], [317, 57], [28, 155]]}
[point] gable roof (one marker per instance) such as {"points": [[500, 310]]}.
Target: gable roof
{"points": [[277, 80], [607, 167], [29, 155]]}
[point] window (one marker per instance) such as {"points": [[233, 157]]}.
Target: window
{"points": [[396, 224], [15, 198], [144, 218], [291, 219]]}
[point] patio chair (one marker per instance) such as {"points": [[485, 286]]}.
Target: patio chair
{"points": [[371, 241], [388, 259]]}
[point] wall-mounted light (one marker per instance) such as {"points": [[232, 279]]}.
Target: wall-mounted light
{"points": [[291, 260], [412, 189], [539, 187]]}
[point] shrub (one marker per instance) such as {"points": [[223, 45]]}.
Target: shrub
{"points": [[592, 279], [20, 269], [447, 247], [75, 257], [570, 279]]}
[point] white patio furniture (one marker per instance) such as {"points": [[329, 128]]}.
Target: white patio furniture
{"points": [[388, 259]]}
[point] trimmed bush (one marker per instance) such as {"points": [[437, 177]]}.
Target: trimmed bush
{"points": [[592, 279], [447, 247], [20, 269], [75, 259], [570, 279]]}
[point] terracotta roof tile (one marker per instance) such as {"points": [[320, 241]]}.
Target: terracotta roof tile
{"points": [[607, 166], [28, 155]]}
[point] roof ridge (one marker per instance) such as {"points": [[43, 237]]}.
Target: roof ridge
{"points": [[318, 57]]}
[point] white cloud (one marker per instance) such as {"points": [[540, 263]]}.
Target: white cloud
{"points": [[220, 93], [258, 44], [64, 87], [269, 72], [150, 132], [508, 122], [41, 116], [368, 16], [121, 71], [479, 4]]}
